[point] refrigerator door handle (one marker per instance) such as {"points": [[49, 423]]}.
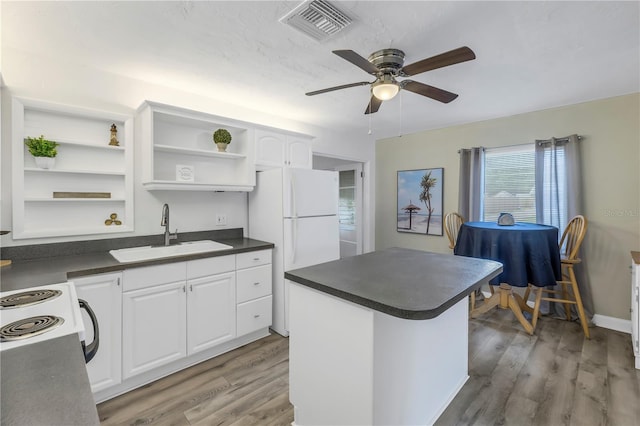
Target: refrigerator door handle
{"points": [[294, 239], [294, 207]]}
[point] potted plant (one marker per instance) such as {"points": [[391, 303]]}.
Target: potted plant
{"points": [[222, 138], [43, 150]]}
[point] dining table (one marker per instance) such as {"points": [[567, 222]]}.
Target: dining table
{"points": [[529, 254]]}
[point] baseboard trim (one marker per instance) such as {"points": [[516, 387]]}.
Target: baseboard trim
{"points": [[612, 323]]}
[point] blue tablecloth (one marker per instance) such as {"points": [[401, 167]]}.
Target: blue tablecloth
{"points": [[528, 252]]}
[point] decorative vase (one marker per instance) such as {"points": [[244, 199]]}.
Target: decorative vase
{"points": [[45, 162], [222, 147]]}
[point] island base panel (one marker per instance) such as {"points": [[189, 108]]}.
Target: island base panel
{"points": [[330, 359], [354, 365]]}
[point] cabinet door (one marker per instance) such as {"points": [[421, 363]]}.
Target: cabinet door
{"points": [[254, 315], [154, 324], [299, 153], [270, 149], [211, 311], [104, 295], [253, 283]]}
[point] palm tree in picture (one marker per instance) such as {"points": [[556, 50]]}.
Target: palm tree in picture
{"points": [[427, 183]]}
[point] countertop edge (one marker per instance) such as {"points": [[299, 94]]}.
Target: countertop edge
{"points": [[45, 271], [162, 261], [389, 309]]}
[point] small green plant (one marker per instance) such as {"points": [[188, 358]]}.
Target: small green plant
{"points": [[40, 147], [222, 136]]}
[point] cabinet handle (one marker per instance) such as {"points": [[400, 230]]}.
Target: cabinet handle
{"points": [[191, 287], [184, 290], [255, 259], [258, 283], [257, 316], [118, 281]]}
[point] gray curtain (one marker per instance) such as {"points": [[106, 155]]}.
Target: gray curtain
{"points": [[559, 198], [558, 181], [471, 183]]}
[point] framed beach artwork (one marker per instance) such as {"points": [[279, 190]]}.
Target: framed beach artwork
{"points": [[420, 201]]}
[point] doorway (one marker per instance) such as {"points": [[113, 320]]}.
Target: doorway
{"points": [[350, 209]]}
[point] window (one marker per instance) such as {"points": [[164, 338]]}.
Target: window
{"points": [[347, 202], [509, 183]]}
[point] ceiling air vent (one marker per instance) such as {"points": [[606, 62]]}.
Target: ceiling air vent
{"points": [[318, 19]]}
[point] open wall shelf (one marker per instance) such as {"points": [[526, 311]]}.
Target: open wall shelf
{"points": [[85, 163]]}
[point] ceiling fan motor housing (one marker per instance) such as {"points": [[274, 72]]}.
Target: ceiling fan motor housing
{"points": [[388, 61]]}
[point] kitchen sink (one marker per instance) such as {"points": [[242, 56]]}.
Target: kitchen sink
{"points": [[138, 254]]}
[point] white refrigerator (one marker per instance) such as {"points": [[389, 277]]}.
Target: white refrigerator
{"points": [[297, 210]]}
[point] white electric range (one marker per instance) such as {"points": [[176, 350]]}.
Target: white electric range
{"points": [[36, 314]]}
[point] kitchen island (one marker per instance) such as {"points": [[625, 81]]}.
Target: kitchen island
{"points": [[381, 338]]}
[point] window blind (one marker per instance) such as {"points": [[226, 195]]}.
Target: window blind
{"points": [[509, 183]]}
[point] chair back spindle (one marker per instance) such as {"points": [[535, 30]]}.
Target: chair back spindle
{"points": [[572, 238], [452, 223]]}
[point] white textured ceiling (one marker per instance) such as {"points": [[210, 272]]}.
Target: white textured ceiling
{"points": [[530, 55]]}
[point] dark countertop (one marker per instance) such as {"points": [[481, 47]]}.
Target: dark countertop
{"points": [[404, 283], [46, 385], [51, 270], [54, 388]]}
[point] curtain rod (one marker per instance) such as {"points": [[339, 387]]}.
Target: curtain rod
{"points": [[564, 139], [543, 141]]}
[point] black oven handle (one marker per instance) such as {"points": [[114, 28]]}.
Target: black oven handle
{"points": [[91, 349]]}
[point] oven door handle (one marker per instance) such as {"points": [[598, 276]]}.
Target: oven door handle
{"points": [[91, 349]]}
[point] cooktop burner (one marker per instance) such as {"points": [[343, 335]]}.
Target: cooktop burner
{"points": [[29, 327], [27, 298]]}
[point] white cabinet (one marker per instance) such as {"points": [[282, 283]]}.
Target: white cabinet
{"points": [[253, 294], [280, 150], [104, 295], [90, 182], [154, 322], [211, 301], [635, 305], [175, 310], [175, 139]]}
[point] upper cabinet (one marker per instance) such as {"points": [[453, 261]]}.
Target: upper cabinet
{"points": [[89, 189], [281, 150], [178, 151]]}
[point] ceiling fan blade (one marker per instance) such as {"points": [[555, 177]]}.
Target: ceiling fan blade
{"points": [[357, 60], [428, 91], [373, 106], [331, 89], [455, 56]]}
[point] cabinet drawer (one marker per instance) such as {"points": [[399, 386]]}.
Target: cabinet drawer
{"points": [[253, 315], [253, 283], [253, 258], [210, 266], [146, 276]]}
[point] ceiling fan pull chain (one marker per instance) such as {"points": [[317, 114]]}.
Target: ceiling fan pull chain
{"points": [[400, 114], [369, 124]]}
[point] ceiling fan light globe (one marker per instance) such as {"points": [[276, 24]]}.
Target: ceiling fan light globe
{"points": [[385, 91]]}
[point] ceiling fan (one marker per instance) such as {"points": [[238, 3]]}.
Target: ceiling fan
{"points": [[388, 64]]}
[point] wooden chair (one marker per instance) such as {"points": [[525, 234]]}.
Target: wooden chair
{"points": [[569, 293], [452, 223]]}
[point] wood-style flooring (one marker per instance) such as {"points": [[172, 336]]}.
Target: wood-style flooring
{"points": [[555, 377]]}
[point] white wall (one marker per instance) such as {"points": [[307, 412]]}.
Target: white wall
{"points": [[84, 86], [611, 182]]}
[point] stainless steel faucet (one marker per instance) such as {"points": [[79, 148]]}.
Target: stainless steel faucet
{"points": [[168, 236]]}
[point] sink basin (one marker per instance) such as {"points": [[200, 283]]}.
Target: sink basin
{"points": [[138, 254]]}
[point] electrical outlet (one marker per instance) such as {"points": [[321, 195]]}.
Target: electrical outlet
{"points": [[221, 220]]}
